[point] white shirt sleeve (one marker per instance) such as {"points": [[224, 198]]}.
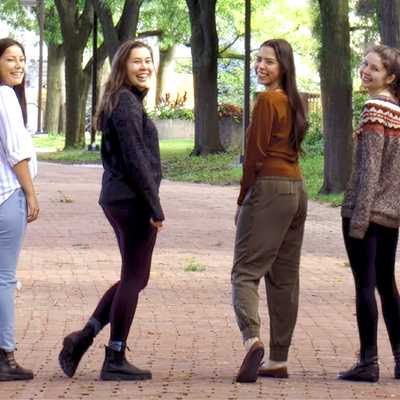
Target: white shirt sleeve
{"points": [[14, 137]]}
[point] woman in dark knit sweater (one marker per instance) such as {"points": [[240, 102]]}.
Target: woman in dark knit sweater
{"points": [[130, 200], [371, 211]]}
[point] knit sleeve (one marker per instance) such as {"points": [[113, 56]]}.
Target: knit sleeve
{"points": [[369, 150], [258, 136], [127, 118]]}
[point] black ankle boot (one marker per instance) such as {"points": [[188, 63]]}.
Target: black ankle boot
{"points": [[10, 370], [75, 346], [363, 371], [117, 368], [397, 365]]}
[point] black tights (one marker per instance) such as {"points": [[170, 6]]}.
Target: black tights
{"points": [[136, 240], [372, 261]]}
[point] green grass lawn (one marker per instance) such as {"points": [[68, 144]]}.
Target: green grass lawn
{"points": [[178, 165]]}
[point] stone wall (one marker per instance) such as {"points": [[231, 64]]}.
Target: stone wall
{"points": [[230, 131], [174, 128]]}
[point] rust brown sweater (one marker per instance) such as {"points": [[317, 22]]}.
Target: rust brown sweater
{"points": [[268, 151]]}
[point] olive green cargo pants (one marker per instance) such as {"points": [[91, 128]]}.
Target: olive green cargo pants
{"points": [[268, 244]]}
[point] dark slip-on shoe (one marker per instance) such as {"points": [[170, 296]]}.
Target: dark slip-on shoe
{"points": [[248, 371], [279, 373]]}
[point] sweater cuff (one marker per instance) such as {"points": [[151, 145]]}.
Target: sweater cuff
{"points": [[242, 196], [357, 232], [158, 215]]}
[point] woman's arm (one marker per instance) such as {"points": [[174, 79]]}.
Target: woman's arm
{"points": [[21, 170], [128, 121], [370, 144], [258, 136], [18, 150]]}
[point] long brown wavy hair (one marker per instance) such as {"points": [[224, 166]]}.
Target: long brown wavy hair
{"points": [[117, 79], [284, 55], [19, 90], [390, 58]]}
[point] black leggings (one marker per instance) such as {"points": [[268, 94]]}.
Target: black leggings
{"points": [[136, 240], [372, 261]]}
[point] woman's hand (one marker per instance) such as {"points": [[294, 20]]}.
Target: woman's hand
{"points": [[156, 224], [21, 170], [237, 214], [33, 207]]}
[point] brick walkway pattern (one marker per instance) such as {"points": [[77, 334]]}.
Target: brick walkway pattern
{"points": [[184, 330]]}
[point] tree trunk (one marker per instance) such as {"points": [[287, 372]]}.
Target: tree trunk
{"points": [[55, 61], [165, 66], [389, 24], [336, 94], [74, 82], [62, 119], [204, 47], [126, 27], [75, 27]]}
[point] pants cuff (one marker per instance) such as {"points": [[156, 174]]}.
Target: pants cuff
{"points": [[249, 332], [279, 353]]}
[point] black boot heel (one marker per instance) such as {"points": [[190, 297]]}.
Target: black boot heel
{"points": [[362, 372], [117, 368]]}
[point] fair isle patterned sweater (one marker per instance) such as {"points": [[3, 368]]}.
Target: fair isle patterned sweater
{"points": [[373, 192]]}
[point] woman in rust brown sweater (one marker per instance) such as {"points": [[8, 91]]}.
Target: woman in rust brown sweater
{"points": [[272, 207]]}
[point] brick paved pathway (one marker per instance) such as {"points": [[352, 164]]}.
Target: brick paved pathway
{"points": [[185, 330]]}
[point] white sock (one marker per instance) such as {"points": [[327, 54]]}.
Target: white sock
{"points": [[249, 342], [271, 364]]}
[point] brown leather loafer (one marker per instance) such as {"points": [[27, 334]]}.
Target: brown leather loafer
{"points": [[279, 373], [248, 371]]}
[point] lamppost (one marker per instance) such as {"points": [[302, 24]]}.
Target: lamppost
{"points": [[40, 6]]}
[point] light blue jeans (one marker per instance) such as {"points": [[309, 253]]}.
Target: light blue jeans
{"points": [[12, 229]]}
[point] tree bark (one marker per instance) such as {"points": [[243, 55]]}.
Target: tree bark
{"points": [[55, 60], [76, 28], [389, 24], [62, 119], [164, 67], [204, 47], [336, 94], [124, 30], [74, 82]]}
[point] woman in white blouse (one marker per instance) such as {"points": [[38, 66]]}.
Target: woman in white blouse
{"points": [[18, 203]]}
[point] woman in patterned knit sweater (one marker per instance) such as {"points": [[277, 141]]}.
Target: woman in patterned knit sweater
{"points": [[371, 210]]}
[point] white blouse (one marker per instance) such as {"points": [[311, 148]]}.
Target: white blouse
{"points": [[15, 143]]}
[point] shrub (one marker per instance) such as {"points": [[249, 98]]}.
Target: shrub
{"points": [[227, 110], [314, 140], [169, 108], [359, 98]]}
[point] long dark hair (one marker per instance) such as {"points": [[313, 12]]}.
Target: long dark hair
{"points": [[117, 79], [19, 90], [390, 58], [284, 55]]}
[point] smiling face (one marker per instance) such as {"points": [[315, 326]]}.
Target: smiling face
{"points": [[139, 68], [12, 66], [267, 68], [373, 74]]}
